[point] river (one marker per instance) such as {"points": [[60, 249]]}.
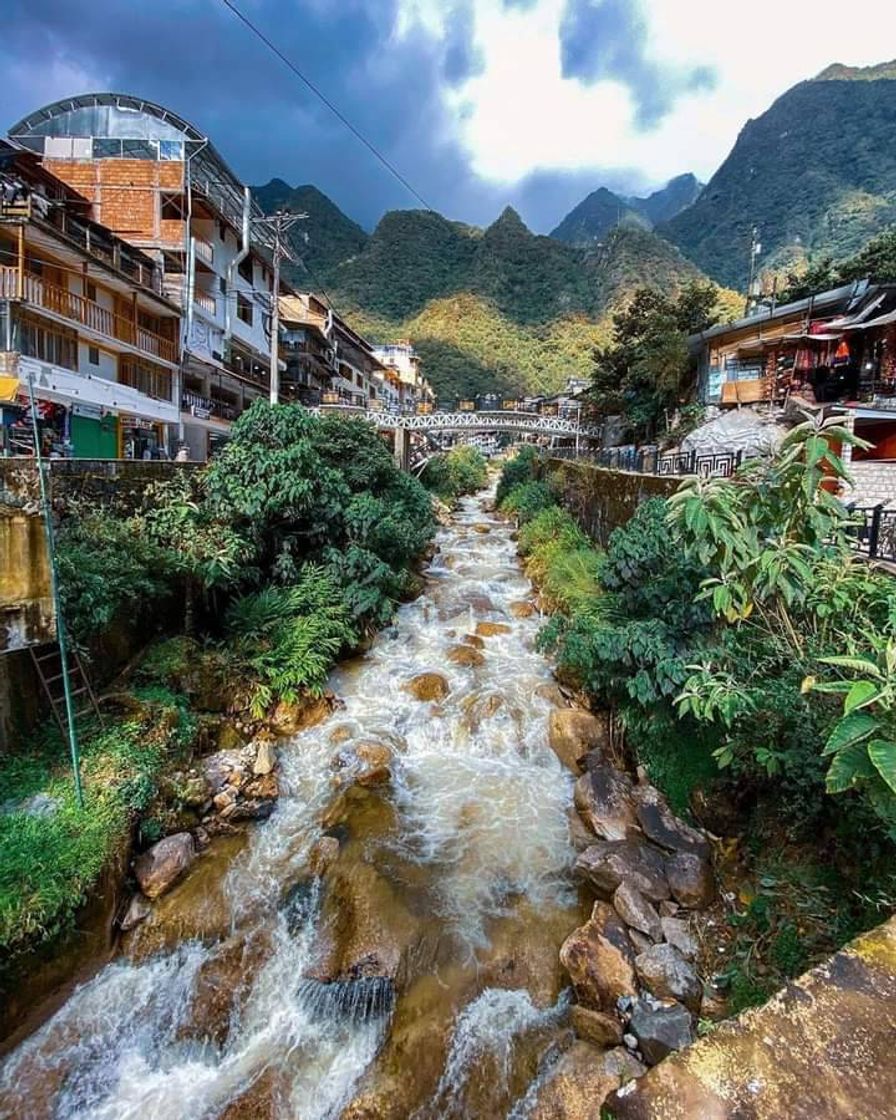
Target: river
{"points": [[419, 976]]}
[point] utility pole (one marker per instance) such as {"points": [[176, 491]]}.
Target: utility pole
{"points": [[755, 250], [281, 222]]}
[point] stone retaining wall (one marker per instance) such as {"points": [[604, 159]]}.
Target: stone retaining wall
{"points": [[601, 499], [873, 482]]}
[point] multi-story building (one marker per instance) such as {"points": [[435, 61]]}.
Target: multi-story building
{"points": [[84, 321], [415, 392], [157, 183]]}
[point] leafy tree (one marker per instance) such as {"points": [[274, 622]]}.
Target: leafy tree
{"points": [[463, 470]]}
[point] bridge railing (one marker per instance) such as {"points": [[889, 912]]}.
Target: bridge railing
{"points": [[649, 460], [875, 532]]}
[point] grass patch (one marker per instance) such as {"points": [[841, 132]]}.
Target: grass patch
{"points": [[53, 851]]}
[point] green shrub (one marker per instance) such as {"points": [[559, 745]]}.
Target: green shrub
{"points": [[462, 470], [528, 499], [516, 471]]}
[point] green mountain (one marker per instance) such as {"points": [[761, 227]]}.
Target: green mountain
{"points": [[602, 211], [500, 309], [815, 174], [322, 240]]}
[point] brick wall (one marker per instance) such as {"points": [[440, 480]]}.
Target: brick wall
{"points": [[873, 482]]}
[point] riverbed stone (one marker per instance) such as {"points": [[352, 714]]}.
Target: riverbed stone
{"points": [[603, 799], [465, 655], [600, 959], [522, 609], [138, 911], [677, 932], [573, 732], [491, 629], [324, 853], [660, 824], [637, 912], [667, 975], [473, 640], [691, 880], [428, 686], [660, 1027], [162, 865], [580, 1081], [597, 1027], [265, 758], [608, 863]]}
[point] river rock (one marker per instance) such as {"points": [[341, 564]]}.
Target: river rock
{"points": [[660, 824], [691, 880], [428, 686], [265, 758], [677, 933], [596, 1027], [324, 853], [660, 1028], [572, 733], [665, 972], [579, 1083], [600, 959], [473, 640], [608, 863], [482, 528], [491, 629], [580, 836], [366, 764], [291, 718], [637, 912], [138, 911], [522, 609], [160, 867], [603, 798], [465, 655]]}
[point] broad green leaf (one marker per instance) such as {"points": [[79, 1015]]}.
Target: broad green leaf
{"points": [[861, 693], [848, 766], [832, 686], [850, 729], [859, 664], [882, 753]]}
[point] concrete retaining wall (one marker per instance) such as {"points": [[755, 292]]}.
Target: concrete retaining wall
{"points": [[600, 499]]}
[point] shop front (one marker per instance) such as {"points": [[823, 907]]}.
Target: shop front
{"points": [[141, 439]]}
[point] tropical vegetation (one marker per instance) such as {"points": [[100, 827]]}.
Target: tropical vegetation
{"points": [[462, 470]]}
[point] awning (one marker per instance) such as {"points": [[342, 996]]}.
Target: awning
{"points": [[880, 321], [804, 336]]}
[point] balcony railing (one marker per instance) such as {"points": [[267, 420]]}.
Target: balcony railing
{"points": [[204, 407], [204, 250], [79, 309], [208, 303]]}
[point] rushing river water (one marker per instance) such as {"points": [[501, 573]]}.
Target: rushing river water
{"points": [[419, 977]]}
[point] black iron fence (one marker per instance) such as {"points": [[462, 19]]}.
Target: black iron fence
{"points": [[875, 533], [649, 460]]}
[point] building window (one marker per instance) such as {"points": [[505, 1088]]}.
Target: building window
{"points": [[171, 149], [145, 378], [171, 207], [90, 291], [93, 355], [246, 269], [55, 345], [222, 284], [244, 309]]}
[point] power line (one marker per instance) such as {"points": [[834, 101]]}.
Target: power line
{"points": [[329, 104]]}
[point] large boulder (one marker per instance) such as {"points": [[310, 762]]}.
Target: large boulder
{"points": [[600, 960], [603, 798], [660, 1028], [491, 629], [691, 880], [366, 764], [608, 863], [572, 733], [465, 655], [637, 912], [660, 824], [162, 865], [677, 932], [666, 974], [579, 1083], [597, 1027], [428, 686]]}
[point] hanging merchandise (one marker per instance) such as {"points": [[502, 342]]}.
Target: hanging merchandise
{"points": [[841, 355]]}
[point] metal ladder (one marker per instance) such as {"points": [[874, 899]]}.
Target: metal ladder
{"points": [[50, 671]]}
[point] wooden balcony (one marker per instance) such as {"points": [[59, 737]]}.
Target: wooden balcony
{"points": [[76, 308]]}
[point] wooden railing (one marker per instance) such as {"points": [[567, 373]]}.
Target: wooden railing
{"points": [[78, 308]]}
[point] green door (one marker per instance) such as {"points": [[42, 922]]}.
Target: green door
{"points": [[95, 439]]}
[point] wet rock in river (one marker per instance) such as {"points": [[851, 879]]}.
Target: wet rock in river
{"points": [[600, 959], [603, 799], [365, 764], [491, 629], [522, 609], [572, 733], [324, 853], [482, 528], [223, 985], [265, 759], [428, 686], [138, 911], [660, 1027], [597, 1027], [691, 879], [291, 718], [473, 640], [162, 865], [465, 655], [660, 824], [608, 863], [581, 1080], [637, 912], [665, 973]]}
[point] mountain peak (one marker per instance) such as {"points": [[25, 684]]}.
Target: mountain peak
{"points": [[838, 72], [509, 219]]}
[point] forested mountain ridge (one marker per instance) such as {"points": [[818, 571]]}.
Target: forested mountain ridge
{"points": [[601, 211], [815, 174]]}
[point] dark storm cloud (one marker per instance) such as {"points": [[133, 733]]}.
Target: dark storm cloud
{"points": [[196, 58], [601, 39]]}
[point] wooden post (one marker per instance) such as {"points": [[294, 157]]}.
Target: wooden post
{"points": [[20, 276]]}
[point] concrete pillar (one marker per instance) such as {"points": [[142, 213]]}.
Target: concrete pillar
{"points": [[402, 448]]}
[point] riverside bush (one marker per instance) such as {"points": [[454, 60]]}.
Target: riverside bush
{"points": [[462, 470]]}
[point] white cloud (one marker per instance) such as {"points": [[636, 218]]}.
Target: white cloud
{"points": [[520, 115]]}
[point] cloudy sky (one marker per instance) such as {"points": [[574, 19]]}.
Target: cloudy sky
{"points": [[478, 102]]}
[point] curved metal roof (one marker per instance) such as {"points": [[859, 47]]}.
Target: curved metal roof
{"points": [[37, 123]]}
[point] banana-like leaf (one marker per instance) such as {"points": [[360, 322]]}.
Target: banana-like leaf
{"points": [[882, 753], [849, 766], [850, 729], [860, 695], [859, 664]]}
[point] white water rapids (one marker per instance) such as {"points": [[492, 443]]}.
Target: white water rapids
{"points": [[478, 805]]}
